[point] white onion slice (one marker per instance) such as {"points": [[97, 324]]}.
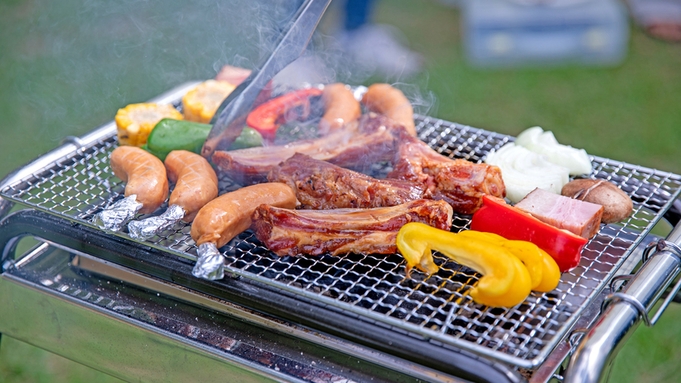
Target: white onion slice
{"points": [[523, 170], [545, 143]]}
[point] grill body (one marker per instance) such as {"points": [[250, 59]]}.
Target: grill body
{"points": [[108, 317], [427, 326]]}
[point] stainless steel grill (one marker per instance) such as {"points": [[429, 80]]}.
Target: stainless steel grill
{"points": [[373, 288]]}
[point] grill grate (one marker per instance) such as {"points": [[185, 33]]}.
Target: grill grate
{"points": [[374, 288]]}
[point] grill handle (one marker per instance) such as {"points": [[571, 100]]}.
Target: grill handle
{"points": [[622, 311]]}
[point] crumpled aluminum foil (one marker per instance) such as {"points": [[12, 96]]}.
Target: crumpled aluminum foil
{"points": [[210, 263], [149, 227], [116, 215]]}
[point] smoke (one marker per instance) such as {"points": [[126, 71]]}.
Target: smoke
{"points": [[71, 64], [422, 100]]}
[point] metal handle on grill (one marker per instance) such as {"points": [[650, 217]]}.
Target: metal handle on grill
{"points": [[622, 311]]}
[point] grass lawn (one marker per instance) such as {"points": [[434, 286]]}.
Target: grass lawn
{"points": [[65, 68]]}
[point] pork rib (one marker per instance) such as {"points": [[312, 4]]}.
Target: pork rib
{"points": [[459, 182], [373, 139], [355, 146], [321, 185], [338, 231]]}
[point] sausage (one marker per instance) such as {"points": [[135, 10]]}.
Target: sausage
{"points": [[340, 107], [236, 75], [225, 217], [232, 74], [391, 102], [144, 174], [196, 183]]}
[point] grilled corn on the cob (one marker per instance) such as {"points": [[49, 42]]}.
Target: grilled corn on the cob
{"points": [[135, 121], [200, 103]]}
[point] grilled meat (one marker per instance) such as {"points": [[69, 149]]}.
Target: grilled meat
{"points": [[354, 146], [578, 217], [377, 138], [321, 185], [338, 231], [459, 182]]}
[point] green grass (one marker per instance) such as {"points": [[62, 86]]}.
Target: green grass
{"points": [[629, 112], [65, 67], [651, 354]]}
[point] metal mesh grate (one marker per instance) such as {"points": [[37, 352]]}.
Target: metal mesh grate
{"points": [[374, 288]]}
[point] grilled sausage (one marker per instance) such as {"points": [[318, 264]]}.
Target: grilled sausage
{"points": [[195, 181], [391, 102], [232, 74], [223, 218], [144, 174], [340, 107]]}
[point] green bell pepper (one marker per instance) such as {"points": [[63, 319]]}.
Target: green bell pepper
{"points": [[170, 134], [249, 138]]}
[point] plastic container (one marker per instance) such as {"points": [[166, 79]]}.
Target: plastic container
{"points": [[525, 32]]}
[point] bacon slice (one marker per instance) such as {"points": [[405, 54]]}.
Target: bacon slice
{"points": [[355, 146], [321, 185], [339, 231], [578, 217], [459, 182]]}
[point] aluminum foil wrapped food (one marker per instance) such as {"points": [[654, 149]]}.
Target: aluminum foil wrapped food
{"points": [[116, 215], [149, 227]]}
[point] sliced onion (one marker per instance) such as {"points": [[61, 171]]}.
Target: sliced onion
{"points": [[523, 170], [545, 143]]}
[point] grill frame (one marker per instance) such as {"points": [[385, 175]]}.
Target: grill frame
{"points": [[223, 295], [653, 192]]}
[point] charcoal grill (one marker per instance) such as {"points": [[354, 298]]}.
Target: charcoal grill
{"points": [[132, 309]]}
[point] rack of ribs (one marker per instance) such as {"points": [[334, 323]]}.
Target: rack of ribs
{"points": [[373, 139], [339, 231], [460, 182], [356, 146], [322, 185]]}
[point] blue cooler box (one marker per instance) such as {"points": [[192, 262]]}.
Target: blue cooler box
{"points": [[517, 32]]}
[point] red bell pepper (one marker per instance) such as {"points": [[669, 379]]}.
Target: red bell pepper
{"points": [[268, 116], [496, 216]]}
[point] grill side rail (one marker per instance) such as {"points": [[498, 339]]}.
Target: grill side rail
{"points": [[623, 311]]}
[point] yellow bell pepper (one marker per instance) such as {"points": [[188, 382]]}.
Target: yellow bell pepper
{"points": [[543, 269], [505, 281]]}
